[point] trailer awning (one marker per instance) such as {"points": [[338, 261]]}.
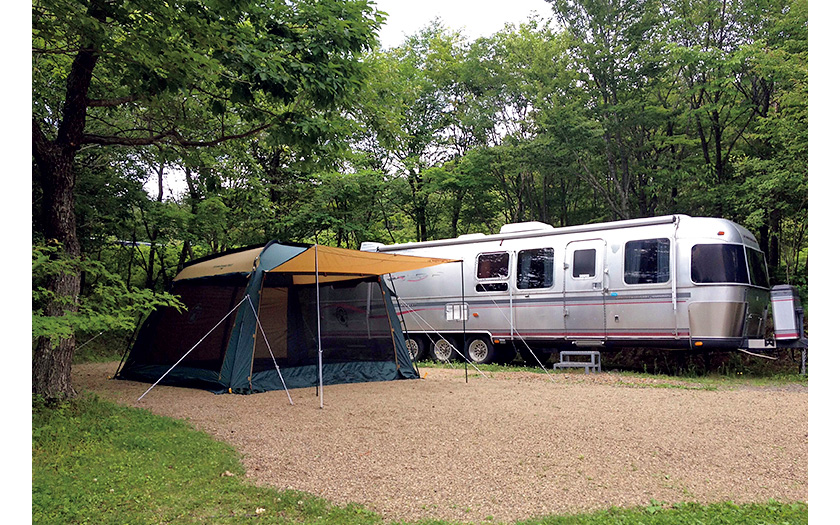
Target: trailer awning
{"points": [[338, 264]]}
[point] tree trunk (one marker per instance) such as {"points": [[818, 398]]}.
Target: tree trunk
{"points": [[54, 158], [52, 359]]}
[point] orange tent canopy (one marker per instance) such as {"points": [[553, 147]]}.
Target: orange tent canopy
{"points": [[338, 264]]}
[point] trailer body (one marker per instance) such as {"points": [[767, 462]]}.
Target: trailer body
{"points": [[667, 282]]}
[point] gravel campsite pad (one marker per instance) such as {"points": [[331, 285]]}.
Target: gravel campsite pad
{"points": [[502, 446]]}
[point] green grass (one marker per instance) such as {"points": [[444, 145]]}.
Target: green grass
{"points": [[97, 462], [714, 380], [772, 513]]}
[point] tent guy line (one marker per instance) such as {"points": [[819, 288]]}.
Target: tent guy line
{"points": [[222, 320], [265, 338]]}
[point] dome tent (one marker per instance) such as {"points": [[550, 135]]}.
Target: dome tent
{"points": [[250, 322]]}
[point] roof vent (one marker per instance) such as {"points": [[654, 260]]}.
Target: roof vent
{"points": [[525, 227], [371, 246]]}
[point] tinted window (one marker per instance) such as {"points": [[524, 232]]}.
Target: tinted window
{"points": [[647, 261], [718, 263], [491, 287], [535, 268], [583, 263], [758, 270], [492, 265]]}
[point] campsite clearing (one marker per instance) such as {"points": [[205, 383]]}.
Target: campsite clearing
{"points": [[506, 446]]}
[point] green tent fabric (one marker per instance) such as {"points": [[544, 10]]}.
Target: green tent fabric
{"points": [[219, 344]]}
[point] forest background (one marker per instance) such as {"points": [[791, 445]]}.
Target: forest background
{"points": [[288, 121]]}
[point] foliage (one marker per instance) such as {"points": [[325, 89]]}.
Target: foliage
{"points": [[630, 111], [91, 458], [286, 121], [108, 303]]}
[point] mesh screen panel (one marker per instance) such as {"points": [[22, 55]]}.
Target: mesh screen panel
{"points": [[177, 332], [354, 325]]}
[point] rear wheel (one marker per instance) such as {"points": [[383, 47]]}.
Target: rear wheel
{"points": [[481, 350], [416, 348], [443, 350]]}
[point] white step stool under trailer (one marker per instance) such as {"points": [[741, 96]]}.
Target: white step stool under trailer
{"points": [[594, 362]]}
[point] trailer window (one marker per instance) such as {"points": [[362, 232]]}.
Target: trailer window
{"points": [[492, 265], [647, 261], [491, 287], [718, 263], [758, 270], [583, 263], [535, 268]]}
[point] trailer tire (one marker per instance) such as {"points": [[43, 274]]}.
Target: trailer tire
{"points": [[443, 350], [481, 350], [416, 348]]}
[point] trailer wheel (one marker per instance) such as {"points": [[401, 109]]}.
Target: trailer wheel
{"points": [[443, 350], [416, 348], [481, 350]]}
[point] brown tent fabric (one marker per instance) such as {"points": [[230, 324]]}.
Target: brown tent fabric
{"points": [[239, 262]]}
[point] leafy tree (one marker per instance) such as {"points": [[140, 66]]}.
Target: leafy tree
{"points": [[616, 50], [108, 305], [140, 73], [415, 123], [773, 168]]}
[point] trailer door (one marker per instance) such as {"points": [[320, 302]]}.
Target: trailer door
{"points": [[538, 302], [584, 290]]}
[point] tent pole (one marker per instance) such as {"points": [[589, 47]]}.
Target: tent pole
{"points": [[318, 318], [265, 338], [464, 325], [402, 318]]}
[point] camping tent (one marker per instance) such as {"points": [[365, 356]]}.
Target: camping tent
{"points": [[250, 322]]}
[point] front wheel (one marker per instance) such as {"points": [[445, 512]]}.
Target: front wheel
{"points": [[481, 350], [443, 350], [416, 349]]}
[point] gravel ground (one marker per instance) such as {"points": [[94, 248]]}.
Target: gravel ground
{"points": [[504, 446]]}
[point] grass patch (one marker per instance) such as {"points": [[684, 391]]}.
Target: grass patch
{"points": [[772, 513], [712, 380], [97, 462]]}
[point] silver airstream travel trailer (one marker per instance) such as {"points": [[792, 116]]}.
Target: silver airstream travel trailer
{"points": [[665, 282]]}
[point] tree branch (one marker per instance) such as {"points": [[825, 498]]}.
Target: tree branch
{"points": [[112, 102], [171, 136]]}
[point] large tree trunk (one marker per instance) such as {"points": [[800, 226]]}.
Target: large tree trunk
{"points": [[52, 359], [54, 158]]}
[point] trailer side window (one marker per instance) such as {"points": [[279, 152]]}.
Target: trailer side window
{"points": [[583, 263], [492, 265], [535, 269], [491, 287], [758, 270], [718, 263], [647, 261]]}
